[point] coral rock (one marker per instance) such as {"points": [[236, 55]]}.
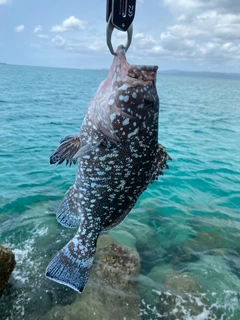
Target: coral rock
{"points": [[111, 292], [7, 264]]}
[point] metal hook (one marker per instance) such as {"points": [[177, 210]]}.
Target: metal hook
{"points": [[109, 32]]}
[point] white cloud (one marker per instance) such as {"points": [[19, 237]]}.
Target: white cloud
{"points": [[43, 36], [19, 28], [69, 24], [171, 43], [207, 31], [5, 2], [37, 29], [211, 25], [58, 41], [188, 9], [204, 33], [80, 46], [143, 40]]}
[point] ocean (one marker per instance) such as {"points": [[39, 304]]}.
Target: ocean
{"points": [[185, 226]]}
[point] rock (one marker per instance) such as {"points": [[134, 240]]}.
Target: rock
{"points": [[182, 299], [149, 287], [7, 264], [103, 241], [142, 232], [182, 283], [213, 241], [123, 237], [141, 237], [147, 244], [111, 292], [220, 285], [160, 272]]}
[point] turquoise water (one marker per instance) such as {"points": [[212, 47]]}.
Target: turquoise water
{"points": [[186, 223]]}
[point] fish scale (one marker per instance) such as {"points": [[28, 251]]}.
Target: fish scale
{"points": [[118, 156]]}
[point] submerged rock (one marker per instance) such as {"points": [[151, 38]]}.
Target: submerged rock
{"points": [[213, 241], [7, 264], [111, 292], [221, 285], [121, 235], [182, 298]]}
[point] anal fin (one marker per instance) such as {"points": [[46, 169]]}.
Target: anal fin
{"points": [[68, 148], [69, 212]]}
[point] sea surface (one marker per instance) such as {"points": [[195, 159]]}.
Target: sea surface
{"points": [[186, 225]]}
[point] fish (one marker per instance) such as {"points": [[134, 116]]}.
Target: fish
{"points": [[118, 155]]}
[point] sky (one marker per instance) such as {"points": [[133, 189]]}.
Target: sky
{"points": [[190, 35]]}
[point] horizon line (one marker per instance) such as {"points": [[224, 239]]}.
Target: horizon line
{"points": [[159, 70]]}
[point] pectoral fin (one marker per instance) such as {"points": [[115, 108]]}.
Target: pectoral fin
{"points": [[109, 136], [87, 149], [67, 150]]}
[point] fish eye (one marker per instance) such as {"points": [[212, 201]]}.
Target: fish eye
{"points": [[149, 100]]}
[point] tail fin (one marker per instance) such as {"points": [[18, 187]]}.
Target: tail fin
{"points": [[69, 212], [72, 264]]}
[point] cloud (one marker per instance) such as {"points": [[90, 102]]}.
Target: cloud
{"points": [[69, 24], [200, 33], [5, 2], [19, 28], [80, 46], [37, 29], [58, 41], [43, 36], [193, 7], [205, 31], [209, 24]]}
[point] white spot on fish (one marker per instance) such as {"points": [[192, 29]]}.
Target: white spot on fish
{"points": [[134, 95], [123, 87], [133, 133], [113, 117], [111, 102], [123, 98], [93, 185], [125, 122]]}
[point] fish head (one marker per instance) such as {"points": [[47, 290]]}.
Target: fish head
{"points": [[133, 101]]}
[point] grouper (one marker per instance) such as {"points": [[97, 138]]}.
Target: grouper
{"points": [[118, 155]]}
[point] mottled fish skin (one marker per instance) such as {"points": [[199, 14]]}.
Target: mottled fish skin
{"points": [[118, 156]]}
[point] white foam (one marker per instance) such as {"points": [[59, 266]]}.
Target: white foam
{"points": [[226, 304], [25, 265]]}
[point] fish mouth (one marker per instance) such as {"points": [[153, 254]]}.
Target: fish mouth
{"points": [[121, 69]]}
